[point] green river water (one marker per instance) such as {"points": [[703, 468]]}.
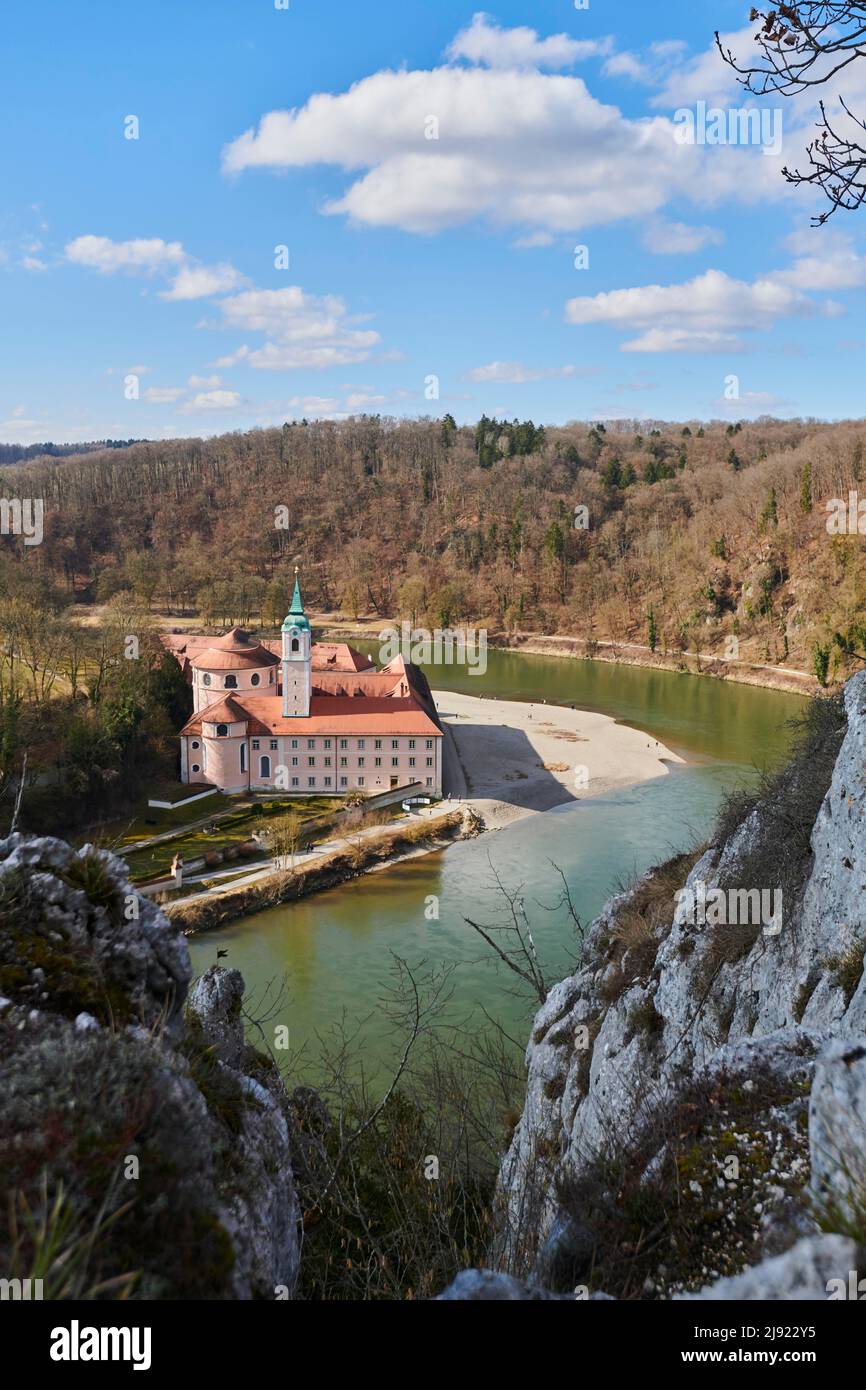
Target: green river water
{"points": [[329, 956]]}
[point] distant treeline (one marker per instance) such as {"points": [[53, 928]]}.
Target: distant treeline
{"points": [[15, 453]]}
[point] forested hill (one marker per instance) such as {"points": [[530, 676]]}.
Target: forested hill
{"points": [[691, 536], [15, 453]]}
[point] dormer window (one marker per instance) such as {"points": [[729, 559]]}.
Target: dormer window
{"points": [[222, 731]]}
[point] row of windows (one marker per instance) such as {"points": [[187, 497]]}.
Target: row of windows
{"points": [[231, 682], [344, 781], [344, 762], [222, 731]]}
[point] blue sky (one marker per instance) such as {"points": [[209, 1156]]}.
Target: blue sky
{"points": [[410, 258]]}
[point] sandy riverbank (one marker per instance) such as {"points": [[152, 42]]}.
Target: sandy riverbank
{"points": [[513, 759]]}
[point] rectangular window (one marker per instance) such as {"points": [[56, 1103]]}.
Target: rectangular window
{"points": [[395, 762], [344, 781], [344, 743], [274, 745], [296, 781], [311, 781], [429, 762], [411, 762], [255, 745], [429, 743], [294, 762], [327, 781], [429, 781], [344, 762], [311, 743], [411, 743], [328, 762], [377, 743], [360, 781], [294, 743], [361, 762], [327, 743], [395, 744], [377, 762], [311, 762]]}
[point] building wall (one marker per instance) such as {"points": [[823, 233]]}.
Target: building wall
{"points": [[244, 684], [326, 769]]}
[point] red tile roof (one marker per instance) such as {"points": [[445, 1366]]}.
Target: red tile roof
{"points": [[329, 714]]}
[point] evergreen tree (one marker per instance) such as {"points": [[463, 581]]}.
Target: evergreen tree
{"points": [[806, 488]]}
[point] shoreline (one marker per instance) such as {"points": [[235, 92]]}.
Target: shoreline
{"points": [[509, 759], [618, 653]]}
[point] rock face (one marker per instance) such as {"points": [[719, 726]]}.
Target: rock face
{"points": [[126, 1109], [718, 1067]]}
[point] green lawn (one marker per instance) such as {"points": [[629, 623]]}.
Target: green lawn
{"points": [[229, 830]]}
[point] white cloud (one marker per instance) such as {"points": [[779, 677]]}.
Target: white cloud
{"points": [[213, 400], [706, 314], [486, 42], [362, 400], [315, 405], [198, 281], [142, 254], [678, 239], [190, 279], [534, 240], [33, 263], [518, 146], [515, 373], [750, 403], [204, 381], [627, 65], [304, 330], [705, 77], [163, 395], [825, 260]]}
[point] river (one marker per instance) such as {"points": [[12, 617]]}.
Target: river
{"points": [[311, 964]]}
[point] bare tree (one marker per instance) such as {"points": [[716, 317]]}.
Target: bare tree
{"points": [[803, 45]]}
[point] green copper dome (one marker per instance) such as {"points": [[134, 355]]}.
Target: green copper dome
{"points": [[296, 617]]}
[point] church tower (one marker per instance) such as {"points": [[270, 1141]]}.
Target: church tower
{"points": [[297, 658]]}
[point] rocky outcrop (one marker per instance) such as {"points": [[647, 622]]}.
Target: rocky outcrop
{"points": [[136, 1122], [716, 1067]]}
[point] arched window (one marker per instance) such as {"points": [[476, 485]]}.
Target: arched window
{"points": [[222, 731], [265, 766], [296, 646], [255, 678], [231, 682]]}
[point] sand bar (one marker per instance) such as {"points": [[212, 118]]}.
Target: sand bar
{"points": [[510, 759]]}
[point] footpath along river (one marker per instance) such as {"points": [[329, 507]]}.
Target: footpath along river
{"points": [[333, 950]]}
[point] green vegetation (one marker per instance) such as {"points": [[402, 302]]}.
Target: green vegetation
{"points": [[229, 832]]}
